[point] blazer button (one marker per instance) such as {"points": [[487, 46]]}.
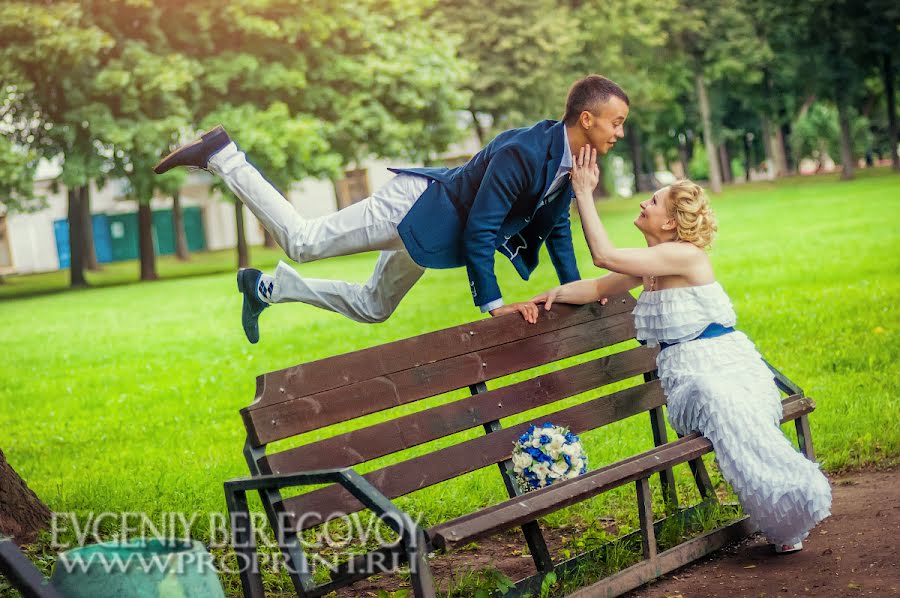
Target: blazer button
{"points": [[507, 237], [540, 238], [527, 219]]}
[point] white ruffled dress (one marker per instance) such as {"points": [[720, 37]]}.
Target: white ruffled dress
{"points": [[721, 387]]}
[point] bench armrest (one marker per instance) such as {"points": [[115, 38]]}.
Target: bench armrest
{"points": [[347, 477], [784, 383], [284, 480]]}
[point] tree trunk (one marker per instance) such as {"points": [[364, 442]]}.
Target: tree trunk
{"points": [[145, 241], [725, 162], [846, 141], [243, 253], [641, 178], [22, 514], [76, 239], [181, 247], [774, 137], [90, 249], [683, 156], [715, 177], [790, 165], [767, 142], [804, 108], [748, 159], [601, 192], [780, 151], [887, 74], [478, 130]]}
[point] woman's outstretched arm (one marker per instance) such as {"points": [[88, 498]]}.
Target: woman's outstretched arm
{"points": [[659, 260], [580, 292]]}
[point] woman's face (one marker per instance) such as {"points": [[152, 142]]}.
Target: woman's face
{"points": [[654, 218]]}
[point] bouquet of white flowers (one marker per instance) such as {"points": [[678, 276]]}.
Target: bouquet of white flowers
{"points": [[544, 455]]}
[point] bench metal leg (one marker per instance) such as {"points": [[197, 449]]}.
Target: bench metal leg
{"points": [[420, 573], [244, 543], [537, 546], [543, 562], [645, 514], [295, 558], [804, 437]]}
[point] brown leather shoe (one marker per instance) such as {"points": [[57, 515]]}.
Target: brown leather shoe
{"points": [[196, 153]]}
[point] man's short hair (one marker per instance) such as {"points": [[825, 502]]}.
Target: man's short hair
{"points": [[589, 94]]}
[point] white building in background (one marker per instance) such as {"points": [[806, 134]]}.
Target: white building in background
{"points": [[38, 242]]}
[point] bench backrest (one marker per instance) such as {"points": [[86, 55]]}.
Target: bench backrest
{"points": [[338, 389]]}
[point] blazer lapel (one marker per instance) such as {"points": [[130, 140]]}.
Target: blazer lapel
{"points": [[554, 137]]}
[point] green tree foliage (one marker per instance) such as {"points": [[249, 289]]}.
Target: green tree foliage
{"points": [[50, 55], [381, 82], [817, 132], [308, 88], [521, 52], [112, 85], [841, 43], [140, 95], [623, 40], [17, 168]]}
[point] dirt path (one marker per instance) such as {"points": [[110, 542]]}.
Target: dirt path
{"points": [[855, 552]]}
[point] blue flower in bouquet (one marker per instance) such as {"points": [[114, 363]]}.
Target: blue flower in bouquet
{"points": [[547, 454]]}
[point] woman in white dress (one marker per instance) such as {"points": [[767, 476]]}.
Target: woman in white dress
{"points": [[714, 379]]}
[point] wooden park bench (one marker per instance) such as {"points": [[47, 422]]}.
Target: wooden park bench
{"points": [[339, 389]]}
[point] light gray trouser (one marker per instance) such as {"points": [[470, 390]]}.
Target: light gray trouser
{"points": [[368, 225]]}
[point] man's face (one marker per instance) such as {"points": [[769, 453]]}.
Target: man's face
{"points": [[605, 128]]}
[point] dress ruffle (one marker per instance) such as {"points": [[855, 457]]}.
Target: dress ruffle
{"points": [[721, 387], [681, 314]]}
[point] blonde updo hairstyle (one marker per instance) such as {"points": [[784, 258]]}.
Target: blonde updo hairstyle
{"points": [[694, 218]]}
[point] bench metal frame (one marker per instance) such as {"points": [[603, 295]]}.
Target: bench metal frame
{"points": [[22, 574]]}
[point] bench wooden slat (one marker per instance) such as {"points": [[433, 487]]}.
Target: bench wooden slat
{"points": [[350, 368], [540, 502], [302, 414], [314, 508], [359, 446], [536, 504]]}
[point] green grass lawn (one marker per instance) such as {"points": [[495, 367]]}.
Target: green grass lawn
{"points": [[125, 397]]}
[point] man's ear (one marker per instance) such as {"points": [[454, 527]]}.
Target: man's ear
{"points": [[586, 119]]}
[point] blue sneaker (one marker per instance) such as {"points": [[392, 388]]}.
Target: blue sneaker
{"points": [[247, 281]]}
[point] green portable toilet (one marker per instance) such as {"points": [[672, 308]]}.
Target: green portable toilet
{"points": [[123, 236], [193, 227], [164, 232]]}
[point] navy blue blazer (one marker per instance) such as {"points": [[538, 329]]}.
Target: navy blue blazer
{"points": [[490, 204]]}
